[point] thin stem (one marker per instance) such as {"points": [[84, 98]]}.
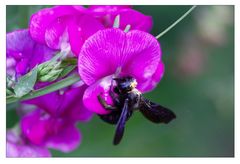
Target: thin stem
{"points": [[51, 88], [176, 22]]}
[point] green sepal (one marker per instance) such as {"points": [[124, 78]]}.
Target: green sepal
{"points": [[51, 76], [26, 83], [67, 70]]}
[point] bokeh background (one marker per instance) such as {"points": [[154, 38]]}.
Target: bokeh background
{"points": [[198, 86]]}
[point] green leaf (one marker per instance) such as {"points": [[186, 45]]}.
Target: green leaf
{"points": [[9, 91], [26, 83], [69, 61], [48, 89], [67, 70]]}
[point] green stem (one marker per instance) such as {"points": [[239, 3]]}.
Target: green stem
{"points": [[176, 22], [51, 88]]}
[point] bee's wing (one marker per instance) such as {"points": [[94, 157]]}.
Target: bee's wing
{"points": [[121, 124], [154, 112]]}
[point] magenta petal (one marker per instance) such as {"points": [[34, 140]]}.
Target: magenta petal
{"points": [[42, 102], [34, 128], [65, 140], [12, 150], [18, 150], [34, 151], [23, 53], [19, 41], [135, 53], [16, 147], [68, 104], [12, 147], [44, 130], [21, 66], [72, 105], [79, 29], [145, 54], [137, 20], [106, 13], [76, 38], [106, 9], [41, 53], [43, 18], [152, 82], [101, 55], [101, 88], [54, 34], [81, 9]]}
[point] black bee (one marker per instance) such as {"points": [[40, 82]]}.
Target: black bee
{"points": [[127, 99]]}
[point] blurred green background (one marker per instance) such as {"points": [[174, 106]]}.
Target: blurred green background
{"points": [[198, 86]]}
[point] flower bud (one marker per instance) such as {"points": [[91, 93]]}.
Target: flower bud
{"points": [[44, 68], [51, 76]]}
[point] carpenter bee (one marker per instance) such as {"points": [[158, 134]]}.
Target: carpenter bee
{"points": [[127, 99]]}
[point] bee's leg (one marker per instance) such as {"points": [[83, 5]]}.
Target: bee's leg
{"points": [[105, 105], [114, 97]]}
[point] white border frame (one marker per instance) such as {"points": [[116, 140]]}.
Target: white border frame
{"points": [[3, 4]]}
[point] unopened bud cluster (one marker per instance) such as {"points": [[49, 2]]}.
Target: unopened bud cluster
{"points": [[49, 71]]}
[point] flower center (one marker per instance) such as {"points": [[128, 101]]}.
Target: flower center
{"points": [[126, 84]]}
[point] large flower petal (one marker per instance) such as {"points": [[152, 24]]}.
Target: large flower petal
{"points": [[34, 127], [72, 106], [41, 53], [19, 48], [44, 130], [106, 9], [43, 18], [18, 150], [23, 53], [137, 20], [42, 102], [79, 29], [135, 53], [100, 55], [152, 82], [16, 147], [18, 43], [65, 140], [106, 14], [56, 33], [102, 88], [145, 54], [64, 103]]}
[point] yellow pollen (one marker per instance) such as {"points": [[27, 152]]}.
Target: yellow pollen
{"points": [[133, 84]]}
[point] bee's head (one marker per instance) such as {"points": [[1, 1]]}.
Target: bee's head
{"points": [[126, 84]]}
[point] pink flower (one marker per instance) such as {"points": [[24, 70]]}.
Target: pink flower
{"points": [[61, 25], [17, 146], [64, 103], [112, 51], [107, 14], [42, 129], [53, 124], [23, 53]]}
